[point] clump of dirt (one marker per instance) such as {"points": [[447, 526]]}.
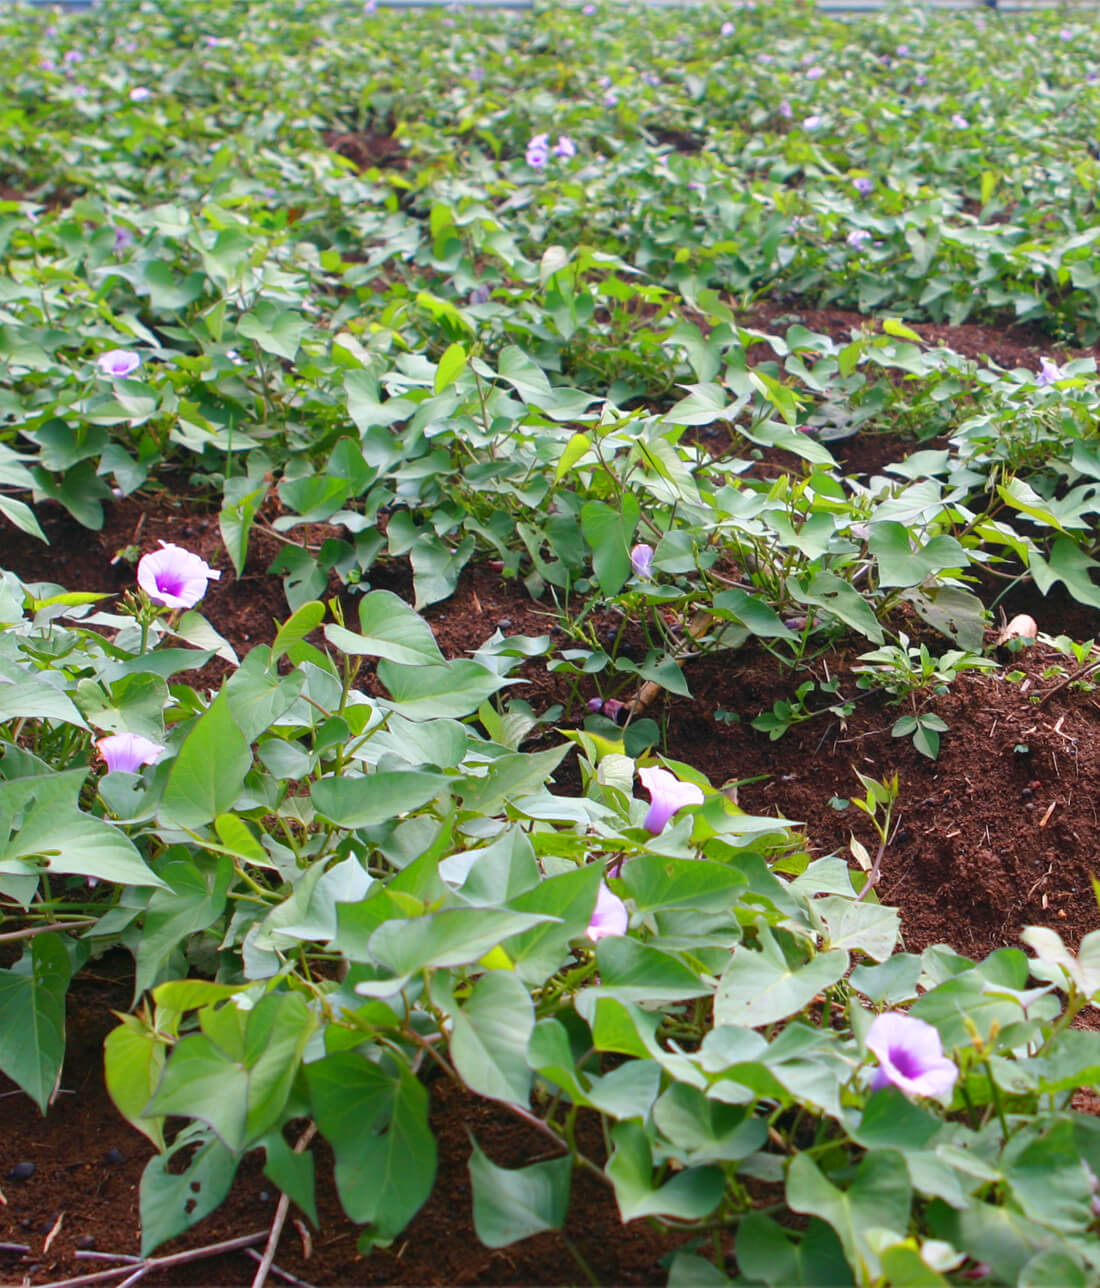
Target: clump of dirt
{"points": [[367, 150]]}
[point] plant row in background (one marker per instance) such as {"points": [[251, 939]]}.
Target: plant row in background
{"points": [[472, 287]]}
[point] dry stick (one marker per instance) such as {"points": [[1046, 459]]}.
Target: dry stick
{"points": [[28, 932], [160, 1263], [278, 1271], [280, 1216]]}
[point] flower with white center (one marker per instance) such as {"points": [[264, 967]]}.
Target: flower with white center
{"points": [[174, 577], [565, 147], [1049, 372], [140, 93]]}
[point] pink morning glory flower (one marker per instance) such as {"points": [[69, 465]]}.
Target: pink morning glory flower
{"points": [[641, 560], [139, 94], [128, 752], [863, 185], [610, 916], [785, 109], [910, 1055], [667, 794], [73, 56], [47, 64], [589, 10], [610, 100], [812, 122], [174, 577], [727, 29], [538, 151], [959, 121], [857, 237], [815, 73], [1049, 372], [118, 363], [565, 147]]}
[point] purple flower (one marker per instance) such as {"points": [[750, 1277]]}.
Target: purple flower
{"points": [[727, 29], [174, 577], [589, 10], [910, 1055], [959, 121], [812, 122], [613, 708], [641, 560], [815, 73], [128, 752], [1049, 372], [72, 57], [118, 363], [610, 100], [921, 78], [902, 51], [863, 185], [47, 64], [610, 916], [651, 78], [785, 109], [857, 237], [479, 295], [667, 794], [765, 58], [139, 94], [1066, 33], [595, 705], [538, 151], [604, 82], [565, 147], [123, 238]]}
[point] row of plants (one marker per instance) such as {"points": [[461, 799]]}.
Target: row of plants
{"points": [[526, 336], [329, 896]]}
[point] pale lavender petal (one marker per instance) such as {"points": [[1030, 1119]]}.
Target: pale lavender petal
{"points": [[610, 916], [667, 794], [127, 752], [910, 1055], [641, 560], [174, 577], [118, 363]]}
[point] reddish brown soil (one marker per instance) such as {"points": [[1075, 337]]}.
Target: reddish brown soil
{"points": [[990, 837]]}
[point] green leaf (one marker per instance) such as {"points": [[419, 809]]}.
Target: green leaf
{"points": [[22, 516], [513, 1203], [489, 1038], [172, 1202], [240, 1094], [428, 692], [276, 331], [390, 629], [899, 564], [375, 798], [206, 777], [635, 972], [690, 1195], [192, 899], [759, 986], [39, 820], [32, 1017], [870, 928], [451, 365], [1068, 564], [835, 595], [377, 1125], [297, 626], [292, 1173], [609, 531], [751, 611], [452, 937], [133, 1059], [701, 1130], [878, 1199], [654, 881], [577, 446]]}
